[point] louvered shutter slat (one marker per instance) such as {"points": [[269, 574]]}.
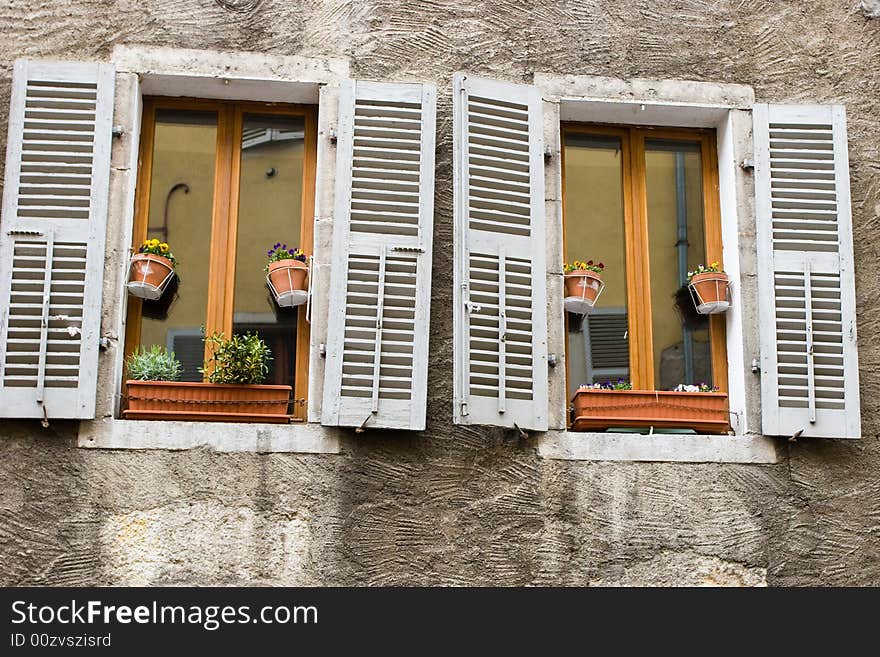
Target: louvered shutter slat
{"points": [[52, 236], [809, 366], [377, 340], [500, 287]]}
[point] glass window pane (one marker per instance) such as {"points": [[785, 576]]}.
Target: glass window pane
{"points": [[676, 236], [181, 202], [598, 346], [269, 211]]}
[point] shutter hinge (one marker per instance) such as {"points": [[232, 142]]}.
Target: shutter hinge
{"points": [[332, 136], [464, 408], [756, 367], [747, 163], [117, 131]]}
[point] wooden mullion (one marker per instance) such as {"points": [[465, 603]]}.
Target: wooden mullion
{"points": [[141, 218], [236, 117], [714, 252], [303, 329], [218, 319], [638, 266], [563, 130]]}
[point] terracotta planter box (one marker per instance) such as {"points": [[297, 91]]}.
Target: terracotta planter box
{"points": [[177, 400], [704, 412]]}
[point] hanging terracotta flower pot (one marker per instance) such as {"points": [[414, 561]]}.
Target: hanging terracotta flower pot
{"points": [[286, 276], [583, 285], [150, 273], [710, 289]]}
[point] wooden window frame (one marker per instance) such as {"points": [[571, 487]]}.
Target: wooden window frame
{"points": [[638, 266], [224, 215]]}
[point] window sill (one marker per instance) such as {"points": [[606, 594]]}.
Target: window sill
{"points": [[216, 436], [660, 448]]}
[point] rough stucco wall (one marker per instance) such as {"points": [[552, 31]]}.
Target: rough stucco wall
{"points": [[463, 505]]}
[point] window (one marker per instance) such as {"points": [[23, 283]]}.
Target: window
{"points": [[645, 203], [222, 182]]}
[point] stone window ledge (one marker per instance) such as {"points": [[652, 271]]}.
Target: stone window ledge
{"points": [[663, 448], [217, 436]]}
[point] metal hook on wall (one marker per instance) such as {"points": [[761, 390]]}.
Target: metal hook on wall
{"points": [[164, 227]]}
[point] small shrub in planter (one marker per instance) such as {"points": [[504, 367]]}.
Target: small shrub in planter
{"points": [[234, 368], [240, 359], [153, 364]]}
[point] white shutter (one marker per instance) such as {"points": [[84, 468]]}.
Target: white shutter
{"points": [[380, 287], [500, 314], [809, 364], [52, 237]]}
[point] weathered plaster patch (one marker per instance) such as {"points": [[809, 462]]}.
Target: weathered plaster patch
{"points": [[204, 542], [871, 8], [682, 569]]}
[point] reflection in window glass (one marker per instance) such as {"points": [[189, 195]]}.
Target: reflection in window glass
{"points": [[673, 171], [269, 211], [182, 196], [598, 348]]}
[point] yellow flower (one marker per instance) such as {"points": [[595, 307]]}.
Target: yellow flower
{"points": [[163, 247], [154, 242]]}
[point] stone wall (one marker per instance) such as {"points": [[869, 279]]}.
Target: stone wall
{"points": [[458, 505]]}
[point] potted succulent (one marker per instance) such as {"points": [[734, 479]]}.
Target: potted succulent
{"points": [[286, 274], [601, 406], [710, 289], [151, 270], [235, 369], [583, 285]]}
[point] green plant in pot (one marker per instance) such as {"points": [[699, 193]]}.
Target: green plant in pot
{"points": [[153, 364], [241, 359]]}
